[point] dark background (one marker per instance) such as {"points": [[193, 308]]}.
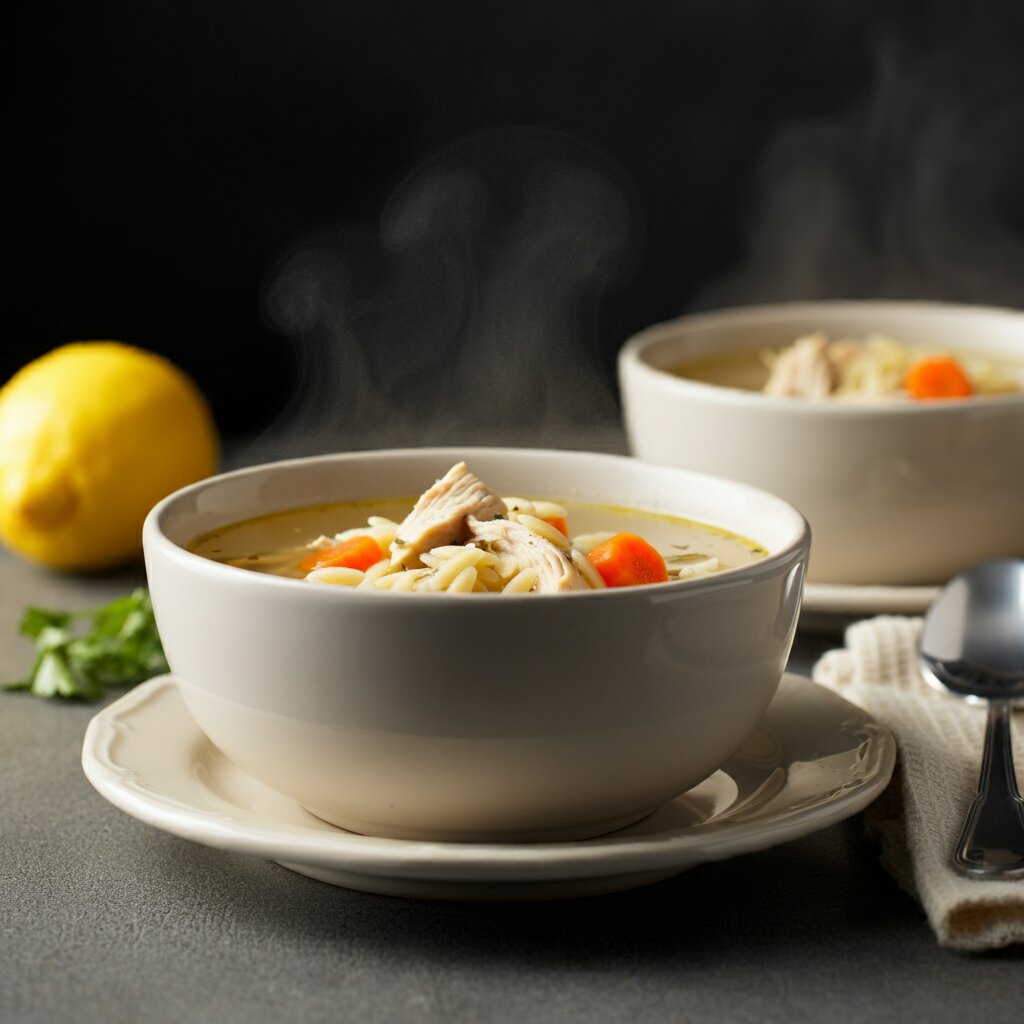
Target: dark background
{"points": [[170, 165]]}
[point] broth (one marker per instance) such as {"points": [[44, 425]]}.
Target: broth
{"points": [[872, 368], [276, 543]]}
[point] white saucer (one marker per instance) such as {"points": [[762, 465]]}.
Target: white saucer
{"points": [[814, 760], [825, 604]]}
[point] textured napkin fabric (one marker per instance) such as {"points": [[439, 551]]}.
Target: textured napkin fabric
{"points": [[919, 817]]}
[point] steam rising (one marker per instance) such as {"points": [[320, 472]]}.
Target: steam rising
{"points": [[470, 312], [468, 316], [908, 195]]}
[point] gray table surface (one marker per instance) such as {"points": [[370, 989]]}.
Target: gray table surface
{"points": [[103, 918]]}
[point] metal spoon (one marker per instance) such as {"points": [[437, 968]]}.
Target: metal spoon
{"points": [[973, 644]]}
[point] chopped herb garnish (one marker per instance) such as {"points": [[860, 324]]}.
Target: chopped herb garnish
{"points": [[121, 648]]}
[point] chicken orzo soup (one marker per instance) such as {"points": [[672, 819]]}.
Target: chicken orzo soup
{"points": [[460, 536], [873, 368]]}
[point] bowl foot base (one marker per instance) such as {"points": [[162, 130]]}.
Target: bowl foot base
{"points": [[562, 834]]}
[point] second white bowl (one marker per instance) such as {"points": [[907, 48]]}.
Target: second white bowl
{"points": [[899, 493]]}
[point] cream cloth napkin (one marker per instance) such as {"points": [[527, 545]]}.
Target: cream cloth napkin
{"points": [[919, 817]]}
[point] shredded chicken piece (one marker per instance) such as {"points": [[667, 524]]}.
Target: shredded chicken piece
{"points": [[555, 569], [439, 515], [803, 370]]}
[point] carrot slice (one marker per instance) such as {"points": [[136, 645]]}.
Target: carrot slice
{"points": [[626, 560], [354, 553], [938, 377], [560, 523]]}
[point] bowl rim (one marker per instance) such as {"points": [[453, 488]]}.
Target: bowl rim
{"points": [[632, 358], [155, 539]]}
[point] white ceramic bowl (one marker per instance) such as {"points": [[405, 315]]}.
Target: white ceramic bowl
{"points": [[896, 494], [475, 717]]}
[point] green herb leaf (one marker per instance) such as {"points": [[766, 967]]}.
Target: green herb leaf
{"points": [[120, 647], [35, 620]]}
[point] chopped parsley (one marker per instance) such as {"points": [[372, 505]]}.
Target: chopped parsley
{"points": [[119, 646]]}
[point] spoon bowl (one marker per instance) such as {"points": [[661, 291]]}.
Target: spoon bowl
{"points": [[972, 644]]}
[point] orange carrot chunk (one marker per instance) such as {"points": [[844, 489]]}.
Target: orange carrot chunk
{"points": [[560, 523], [354, 553], [938, 377], [626, 560]]}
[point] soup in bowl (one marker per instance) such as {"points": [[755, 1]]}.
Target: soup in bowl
{"points": [[897, 428], [546, 697]]}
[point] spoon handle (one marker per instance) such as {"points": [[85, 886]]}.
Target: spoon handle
{"points": [[992, 841]]}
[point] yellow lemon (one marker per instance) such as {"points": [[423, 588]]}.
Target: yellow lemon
{"points": [[92, 435]]}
